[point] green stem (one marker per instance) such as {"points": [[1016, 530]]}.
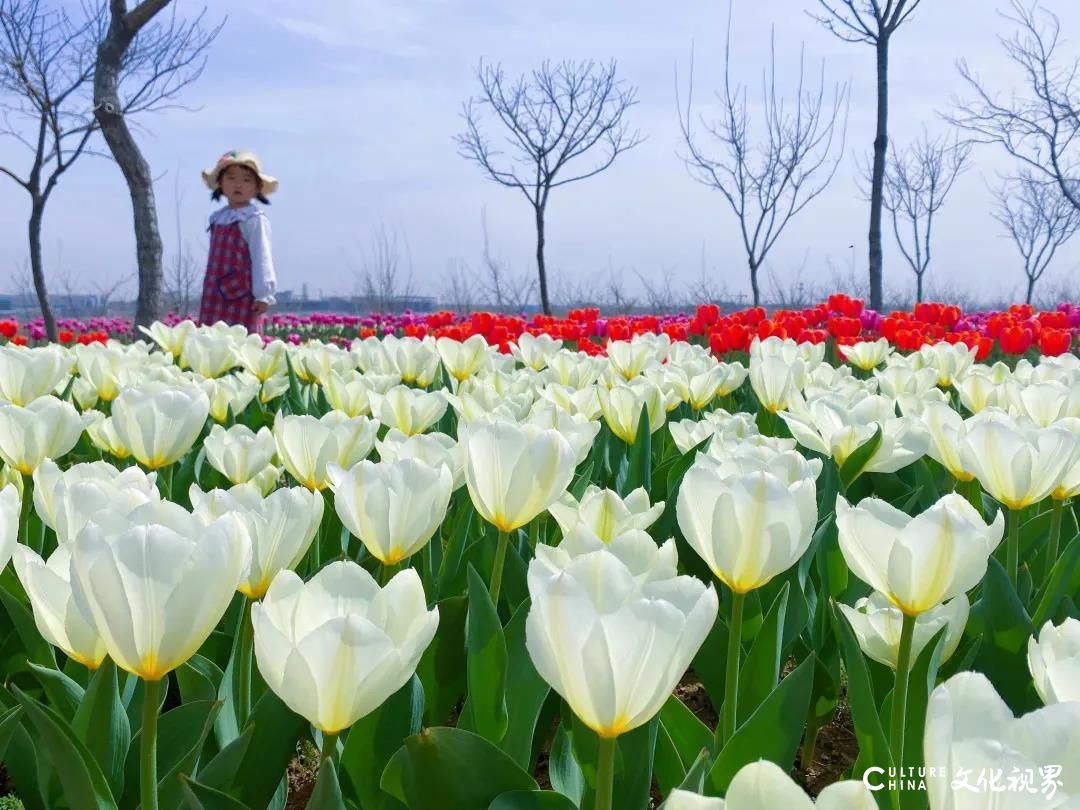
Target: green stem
{"points": [[329, 748], [1054, 540], [386, 573], [1012, 549], [899, 698], [731, 675], [500, 564], [27, 508], [244, 645], [148, 786], [605, 772]]}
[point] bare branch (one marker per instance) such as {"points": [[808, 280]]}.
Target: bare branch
{"points": [[766, 182], [1041, 127], [917, 181], [563, 123], [1038, 218]]}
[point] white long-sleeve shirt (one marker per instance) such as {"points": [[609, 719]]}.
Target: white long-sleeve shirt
{"points": [[255, 227]]}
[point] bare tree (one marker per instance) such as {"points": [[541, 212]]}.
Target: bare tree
{"points": [[106, 291], [872, 22], [383, 281], [503, 288], [183, 273], [553, 117], [767, 182], [1040, 128], [166, 57], [458, 290], [917, 181], [46, 63], [615, 293], [1039, 219]]}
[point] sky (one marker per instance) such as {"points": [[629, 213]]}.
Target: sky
{"points": [[354, 104]]}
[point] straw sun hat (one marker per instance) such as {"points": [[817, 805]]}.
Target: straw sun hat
{"points": [[239, 157]]}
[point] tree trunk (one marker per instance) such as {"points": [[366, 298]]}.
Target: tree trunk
{"points": [[918, 287], [1030, 290], [877, 179], [754, 282], [136, 170], [37, 211], [545, 303]]}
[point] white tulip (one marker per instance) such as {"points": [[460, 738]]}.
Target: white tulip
{"points": [[407, 409], [159, 423], [57, 616], [877, 625], [917, 562], [156, 582], [612, 648], [605, 513], [238, 453], [1054, 661], [307, 445], [27, 374], [436, 449], [335, 648], [394, 507], [970, 730], [514, 472], [46, 428]]}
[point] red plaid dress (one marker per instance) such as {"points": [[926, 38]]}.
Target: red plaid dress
{"points": [[227, 293]]}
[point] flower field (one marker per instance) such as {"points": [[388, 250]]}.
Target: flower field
{"points": [[481, 562]]}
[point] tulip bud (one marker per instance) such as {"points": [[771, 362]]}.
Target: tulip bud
{"points": [[763, 785], [27, 374], [158, 423], [747, 528], [514, 472], [588, 621], [394, 507], [156, 582]]}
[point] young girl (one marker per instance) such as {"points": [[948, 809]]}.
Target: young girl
{"points": [[240, 283]]}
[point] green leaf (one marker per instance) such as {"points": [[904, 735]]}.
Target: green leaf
{"points": [[102, 724], [327, 792], [37, 650], [563, 770], [486, 664], [634, 756], [199, 679], [873, 744], [63, 693], [854, 465], [680, 741], [1057, 585], [1000, 618], [85, 787], [639, 456], [277, 728], [760, 672], [708, 664], [442, 768], [223, 766], [526, 693], [772, 732], [374, 739], [200, 797], [442, 666], [532, 800], [9, 722]]}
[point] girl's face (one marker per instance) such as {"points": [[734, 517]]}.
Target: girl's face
{"points": [[240, 185]]}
